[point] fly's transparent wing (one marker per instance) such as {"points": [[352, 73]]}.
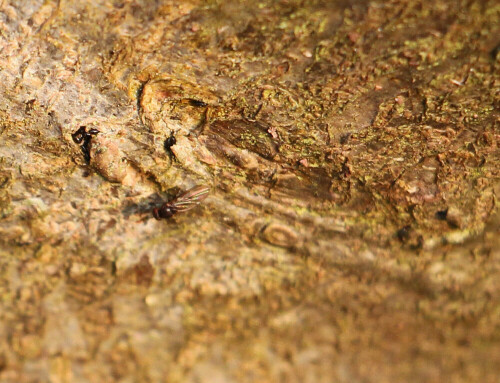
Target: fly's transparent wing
{"points": [[190, 198]]}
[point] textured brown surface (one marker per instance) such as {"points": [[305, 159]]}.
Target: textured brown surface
{"points": [[352, 230]]}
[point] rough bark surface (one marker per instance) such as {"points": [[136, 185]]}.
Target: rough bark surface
{"points": [[352, 229]]}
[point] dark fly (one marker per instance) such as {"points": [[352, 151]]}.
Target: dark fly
{"points": [[84, 139], [169, 142], [183, 202], [139, 93], [196, 103]]}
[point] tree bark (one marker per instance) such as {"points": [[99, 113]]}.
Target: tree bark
{"points": [[351, 150]]}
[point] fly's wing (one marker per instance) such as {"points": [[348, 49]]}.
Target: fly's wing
{"points": [[190, 198]]}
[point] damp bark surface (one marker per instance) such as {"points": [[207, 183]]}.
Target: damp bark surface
{"points": [[351, 233]]}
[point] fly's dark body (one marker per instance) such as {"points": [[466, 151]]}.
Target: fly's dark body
{"points": [[184, 202], [167, 145], [169, 142], [197, 103], [81, 136], [164, 212]]}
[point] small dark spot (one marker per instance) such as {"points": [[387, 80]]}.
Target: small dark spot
{"points": [[442, 214], [345, 137], [495, 52], [404, 233], [78, 135], [138, 96], [86, 148], [169, 142], [197, 103], [82, 135], [113, 268]]}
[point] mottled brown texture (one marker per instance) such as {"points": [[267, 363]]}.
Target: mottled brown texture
{"points": [[352, 229]]}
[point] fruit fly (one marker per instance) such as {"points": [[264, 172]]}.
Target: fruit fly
{"points": [[81, 136], [183, 202]]}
